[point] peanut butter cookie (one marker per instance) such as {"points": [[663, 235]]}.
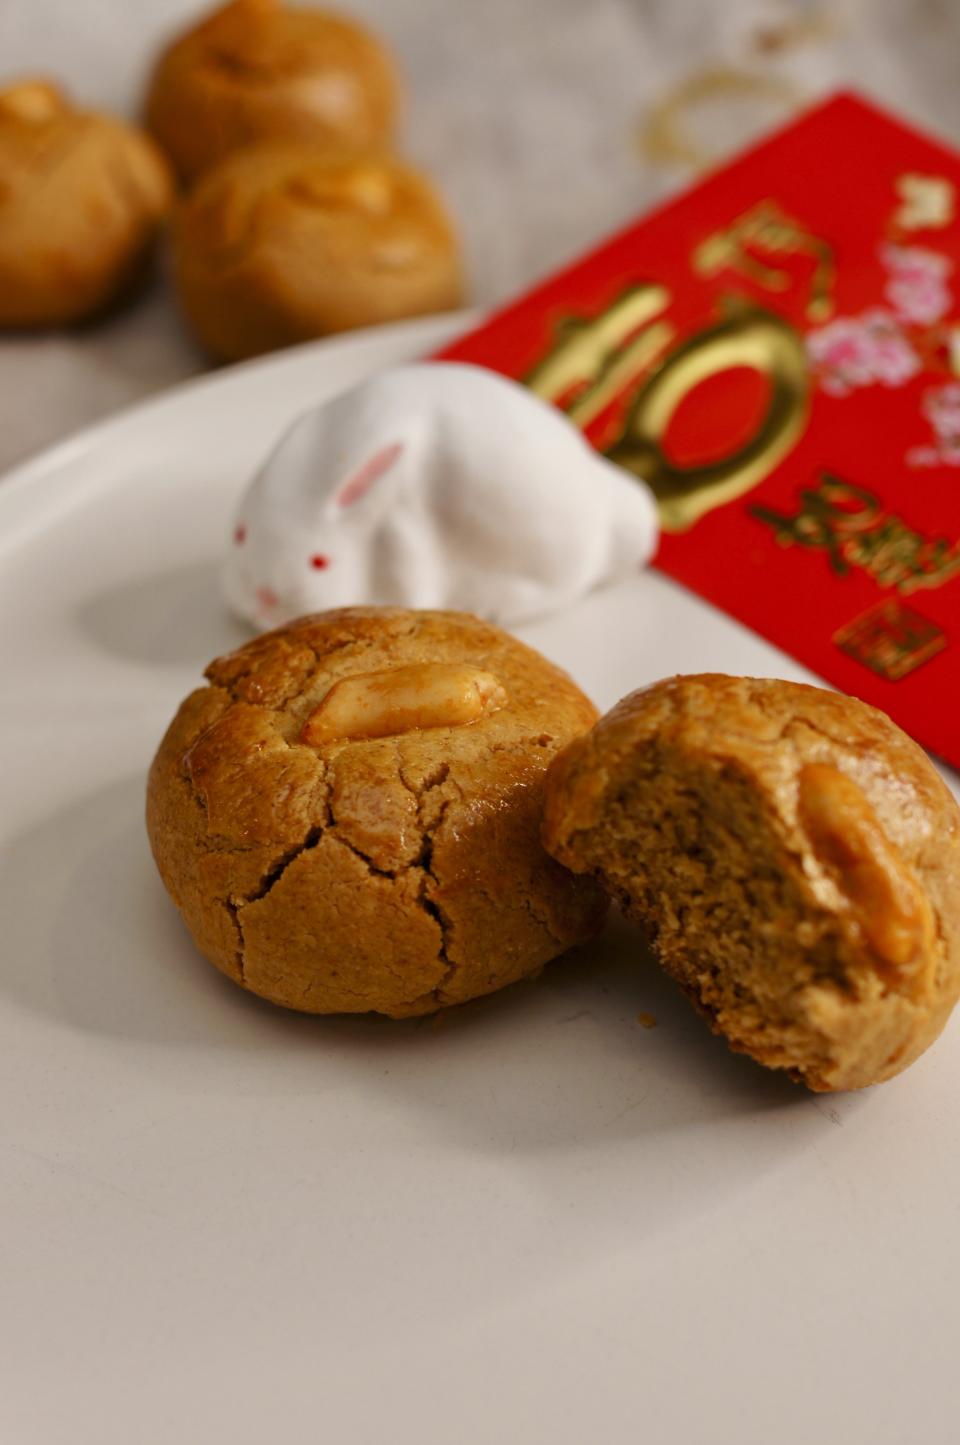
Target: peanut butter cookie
{"points": [[348, 815], [793, 857], [284, 242], [256, 70], [82, 196]]}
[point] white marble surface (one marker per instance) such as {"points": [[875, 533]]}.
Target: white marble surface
{"points": [[527, 112]]}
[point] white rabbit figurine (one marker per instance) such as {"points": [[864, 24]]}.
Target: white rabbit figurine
{"points": [[434, 485]]}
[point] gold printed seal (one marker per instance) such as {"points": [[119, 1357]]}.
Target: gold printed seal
{"points": [[891, 639]]}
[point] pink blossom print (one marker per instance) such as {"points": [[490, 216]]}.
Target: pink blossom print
{"points": [[866, 350], [941, 407], [917, 289]]}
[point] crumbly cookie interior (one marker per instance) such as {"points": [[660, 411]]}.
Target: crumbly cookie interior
{"points": [[690, 852], [793, 857]]}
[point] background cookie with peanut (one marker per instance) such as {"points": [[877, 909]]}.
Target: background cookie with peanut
{"points": [[285, 241], [82, 198]]}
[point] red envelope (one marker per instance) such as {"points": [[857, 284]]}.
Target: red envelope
{"points": [[778, 353]]}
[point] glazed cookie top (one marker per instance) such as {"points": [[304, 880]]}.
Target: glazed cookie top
{"points": [[856, 802], [374, 723]]}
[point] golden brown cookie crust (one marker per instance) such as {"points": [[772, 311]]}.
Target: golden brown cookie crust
{"points": [[257, 70], [81, 199], [794, 856], [395, 874], [284, 242]]}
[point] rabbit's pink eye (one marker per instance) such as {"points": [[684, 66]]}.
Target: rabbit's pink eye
{"points": [[319, 561], [240, 534]]}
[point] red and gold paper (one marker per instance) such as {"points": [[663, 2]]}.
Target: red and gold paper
{"points": [[778, 353]]}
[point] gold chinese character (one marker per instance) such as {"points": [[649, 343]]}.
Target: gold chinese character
{"points": [[768, 229]]}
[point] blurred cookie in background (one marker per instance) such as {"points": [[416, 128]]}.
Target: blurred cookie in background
{"points": [[255, 70], [283, 243], [81, 199]]}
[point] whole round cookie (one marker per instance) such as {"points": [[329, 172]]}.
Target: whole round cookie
{"points": [[348, 815], [284, 242], [793, 856], [256, 70], [81, 199]]}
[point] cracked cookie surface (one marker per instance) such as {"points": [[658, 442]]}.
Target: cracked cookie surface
{"points": [[396, 874], [793, 857]]}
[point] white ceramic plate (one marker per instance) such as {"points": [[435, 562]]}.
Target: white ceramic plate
{"points": [[537, 1222]]}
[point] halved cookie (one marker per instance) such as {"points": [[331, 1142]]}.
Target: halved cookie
{"points": [[793, 857]]}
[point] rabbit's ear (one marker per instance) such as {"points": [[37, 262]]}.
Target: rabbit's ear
{"points": [[365, 478]]}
